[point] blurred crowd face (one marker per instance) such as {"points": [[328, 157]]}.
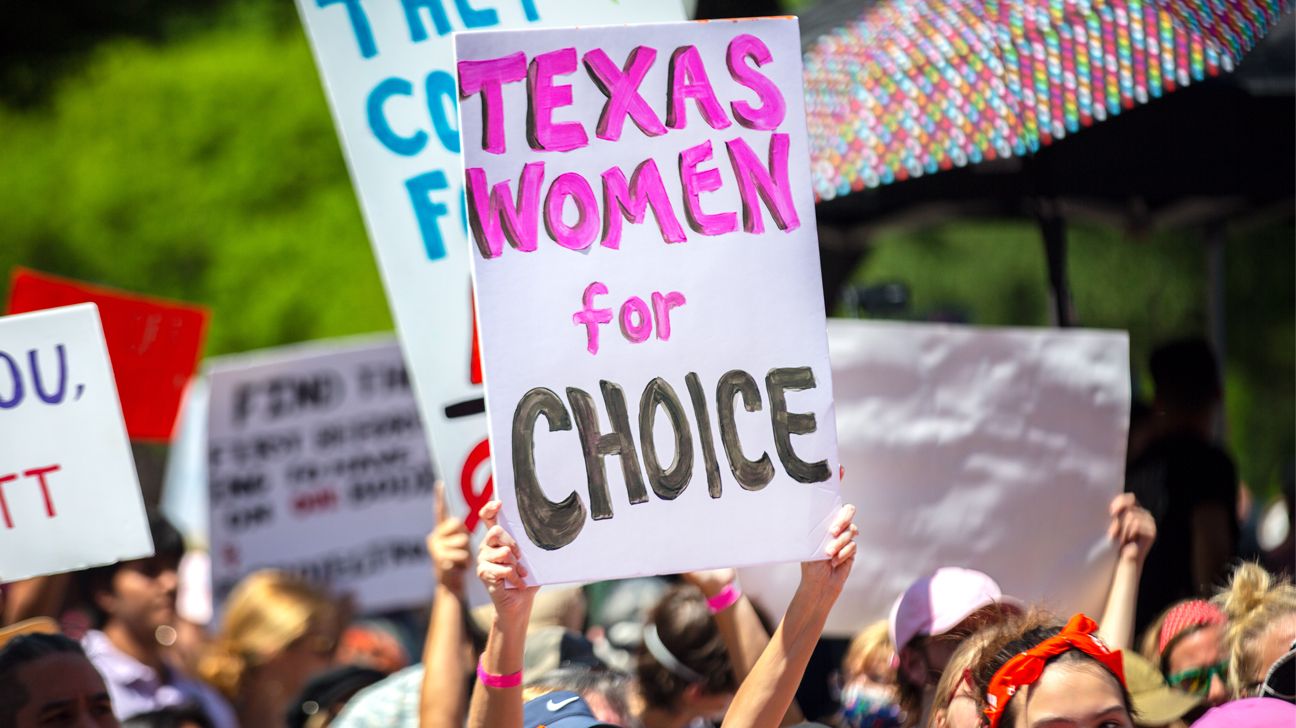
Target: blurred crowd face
{"points": [[924, 662], [304, 658], [1200, 650], [963, 709], [64, 691], [1073, 695], [144, 595]]}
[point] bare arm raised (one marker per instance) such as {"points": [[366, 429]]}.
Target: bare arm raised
{"points": [[497, 696], [767, 692]]}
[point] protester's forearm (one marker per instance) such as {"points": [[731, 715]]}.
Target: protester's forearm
{"points": [[441, 702], [1117, 625], [500, 707], [767, 693], [38, 597], [745, 639], [743, 634]]}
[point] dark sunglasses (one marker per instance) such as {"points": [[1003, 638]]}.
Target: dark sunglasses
{"points": [[1197, 680]]}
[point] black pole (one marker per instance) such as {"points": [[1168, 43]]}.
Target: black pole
{"points": [[1053, 229]]}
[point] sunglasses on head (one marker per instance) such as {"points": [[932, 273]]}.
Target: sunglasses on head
{"points": [[1197, 680]]}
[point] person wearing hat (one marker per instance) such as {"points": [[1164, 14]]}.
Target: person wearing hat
{"points": [[938, 612], [1187, 645], [931, 619], [1155, 702], [563, 709]]}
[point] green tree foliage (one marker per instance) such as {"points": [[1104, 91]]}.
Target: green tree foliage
{"points": [[206, 170], [1155, 287]]}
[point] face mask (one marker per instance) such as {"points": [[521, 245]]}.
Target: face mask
{"points": [[869, 705]]}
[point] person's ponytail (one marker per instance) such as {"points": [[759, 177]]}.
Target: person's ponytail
{"points": [[1254, 601], [223, 668]]}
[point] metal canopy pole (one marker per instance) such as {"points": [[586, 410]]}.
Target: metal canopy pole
{"points": [[1053, 230]]}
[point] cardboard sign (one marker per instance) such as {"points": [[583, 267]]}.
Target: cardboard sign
{"points": [[154, 344], [649, 295], [69, 497], [317, 465], [992, 449], [388, 69]]}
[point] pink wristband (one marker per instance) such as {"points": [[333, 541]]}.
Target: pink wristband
{"points": [[498, 681], [725, 599]]}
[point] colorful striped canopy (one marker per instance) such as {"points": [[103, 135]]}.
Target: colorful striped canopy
{"points": [[911, 87]]}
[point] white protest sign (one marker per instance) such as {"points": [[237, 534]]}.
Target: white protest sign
{"points": [[388, 68], [317, 465], [69, 496], [649, 295], [992, 449]]}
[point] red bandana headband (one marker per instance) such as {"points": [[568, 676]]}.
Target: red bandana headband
{"points": [[1025, 668], [1186, 615]]}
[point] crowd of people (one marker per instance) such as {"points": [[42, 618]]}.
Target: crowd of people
{"points": [[1190, 633]]}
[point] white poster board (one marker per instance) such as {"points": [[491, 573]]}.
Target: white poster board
{"points": [[388, 69], [992, 449], [669, 277], [317, 465], [69, 496]]}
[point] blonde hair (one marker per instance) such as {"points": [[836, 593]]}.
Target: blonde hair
{"points": [[871, 654], [1254, 602], [265, 614], [960, 662]]}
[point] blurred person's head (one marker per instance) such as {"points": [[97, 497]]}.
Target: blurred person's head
{"points": [[373, 643], [136, 599], [1186, 379], [276, 633], [176, 716], [616, 621], [1186, 643], [868, 695], [326, 694], [1261, 610], [553, 648], [606, 692], [870, 654], [932, 618], [1040, 673], [46, 679], [683, 667]]}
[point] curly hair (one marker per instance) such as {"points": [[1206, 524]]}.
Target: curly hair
{"points": [[1255, 601]]}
